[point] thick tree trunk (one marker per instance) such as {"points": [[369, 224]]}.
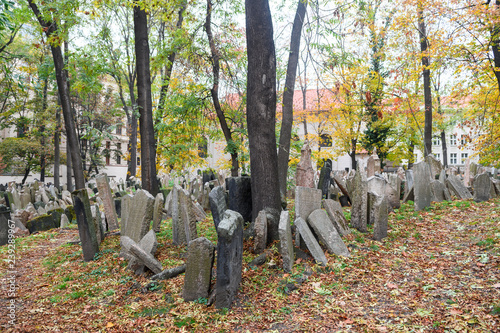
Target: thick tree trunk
{"points": [[62, 86], [261, 110], [144, 102], [427, 83], [287, 120], [215, 91]]}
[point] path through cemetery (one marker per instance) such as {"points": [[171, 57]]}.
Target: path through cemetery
{"points": [[437, 270]]}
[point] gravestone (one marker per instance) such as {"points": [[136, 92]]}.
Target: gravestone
{"points": [[134, 250], [107, 200], [25, 198], [64, 221], [467, 172], [229, 258], [304, 175], [359, 197], [96, 216], [370, 167], [311, 242], [41, 223], [456, 187], [158, 212], [286, 245], [435, 166], [126, 206], [199, 263], [422, 190], [326, 232], [324, 178], [240, 196], [218, 204], [4, 224], [380, 220], [482, 187], [438, 191], [188, 219], [118, 207], [307, 200], [178, 231], [260, 239], [149, 244], [86, 227], [336, 215], [17, 199], [140, 215]]}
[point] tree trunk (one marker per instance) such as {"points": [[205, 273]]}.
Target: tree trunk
{"points": [[445, 149], [427, 83], [62, 86], [42, 129], [215, 92], [132, 144], [26, 174], [69, 165], [411, 159], [261, 110], [57, 149], [287, 120], [144, 102], [353, 154]]}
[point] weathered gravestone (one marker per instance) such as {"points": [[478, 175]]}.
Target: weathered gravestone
{"points": [[286, 245], [456, 187], [96, 215], [140, 215], [260, 239], [178, 231], [422, 190], [86, 227], [439, 191], [107, 200], [311, 242], [359, 197], [64, 221], [4, 224], [304, 175], [324, 178], [336, 215], [149, 244], [240, 196], [229, 258], [158, 211], [327, 233], [307, 200], [380, 217], [188, 219], [200, 259], [482, 187], [218, 204], [126, 206], [134, 250], [435, 167]]}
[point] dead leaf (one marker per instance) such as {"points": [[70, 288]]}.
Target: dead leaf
{"points": [[110, 324], [392, 286]]}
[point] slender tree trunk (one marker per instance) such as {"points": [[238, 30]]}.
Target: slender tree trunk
{"points": [[411, 160], [261, 110], [495, 45], [62, 86], [144, 102], [26, 174], [43, 157], [57, 149], [353, 154], [132, 146], [215, 91], [427, 82], [287, 120], [445, 149], [69, 165]]}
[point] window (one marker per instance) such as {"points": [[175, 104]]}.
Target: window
{"points": [[453, 140], [138, 161], [463, 140], [453, 158], [118, 153], [119, 129], [436, 141], [438, 156], [464, 157], [106, 152], [325, 140]]}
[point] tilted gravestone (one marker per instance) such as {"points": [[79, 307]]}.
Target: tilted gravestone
{"points": [[439, 191], [218, 204], [311, 242], [199, 263], [86, 226], [229, 258], [326, 232], [240, 196], [422, 190], [108, 201], [134, 250], [149, 244], [482, 187], [286, 245], [336, 215], [456, 187]]}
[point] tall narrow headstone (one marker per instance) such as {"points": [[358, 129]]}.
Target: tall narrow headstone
{"points": [[108, 201], [240, 196], [229, 258], [86, 226], [178, 231], [482, 187], [422, 190], [380, 218], [286, 245], [200, 259], [304, 175], [140, 215], [359, 197], [157, 212], [260, 239], [187, 216]]}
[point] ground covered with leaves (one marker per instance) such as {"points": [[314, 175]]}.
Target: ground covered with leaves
{"points": [[438, 270]]}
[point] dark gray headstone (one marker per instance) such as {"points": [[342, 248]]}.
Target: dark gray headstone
{"points": [[4, 225], [229, 258], [240, 196], [218, 204], [158, 211], [200, 259]]}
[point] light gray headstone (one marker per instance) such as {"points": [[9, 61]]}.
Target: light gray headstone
{"points": [[380, 218], [359, 197], [326, 232], [456, 187], [157, 212], [64, 221], [286, 245], [140, 215], [200, 259], [438, 189], [146, 259], [311, 242], [260, 239], [149, 244], [422, 190], [336, 215], [482, 187], [187, 216], [107, 201]]}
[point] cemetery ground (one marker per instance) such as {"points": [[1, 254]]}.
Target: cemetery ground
{"points": [[438, 270]]}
